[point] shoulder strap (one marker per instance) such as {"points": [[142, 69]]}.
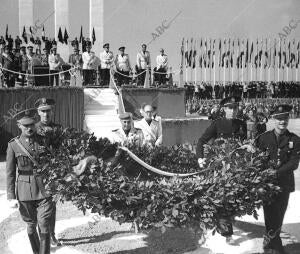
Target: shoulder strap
{"points": [[26, 152]]}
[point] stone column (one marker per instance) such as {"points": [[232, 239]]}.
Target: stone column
{"points": [[61, 20], [25, 15], [96, 22]]}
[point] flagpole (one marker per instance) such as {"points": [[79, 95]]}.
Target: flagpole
{"points": [[185, 52]]}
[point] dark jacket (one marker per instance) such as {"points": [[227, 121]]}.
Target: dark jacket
{"points": [[225, 128], [285, 152]]}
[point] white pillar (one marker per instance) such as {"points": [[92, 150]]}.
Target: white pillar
{"points": [[61, 19], [25, 15], [96, 22]]}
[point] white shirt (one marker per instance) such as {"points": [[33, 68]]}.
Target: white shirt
{"points": [[106, 59], [89, 61], [143, 60], [162, 61], [122, 62], [55, 61], [152, 133]]}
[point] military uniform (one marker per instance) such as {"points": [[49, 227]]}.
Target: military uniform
{"points": [[134, 136], [25, 184], [143, 62], [106, 59], [284, 149], [123, 67], [162, 67], [8, 62], [50, 134], [223, 128]]}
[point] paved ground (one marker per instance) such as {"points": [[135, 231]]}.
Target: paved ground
{"points": [[79, 235]]}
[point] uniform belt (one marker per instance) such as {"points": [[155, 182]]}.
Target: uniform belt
{"points": [[26, 172]]}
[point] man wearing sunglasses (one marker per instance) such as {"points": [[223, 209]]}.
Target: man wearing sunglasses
{"points": [[284, 148], [227, 127]]}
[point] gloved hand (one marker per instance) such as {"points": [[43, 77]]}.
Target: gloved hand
{"points": [[250, 148], [81, 166], [202, 162], [13, 203]]}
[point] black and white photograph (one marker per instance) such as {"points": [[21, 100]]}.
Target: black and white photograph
{"points": [[149, 126]]}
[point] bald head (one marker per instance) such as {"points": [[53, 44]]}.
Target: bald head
{"points": [[147, 112]]}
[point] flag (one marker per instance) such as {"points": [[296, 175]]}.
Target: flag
{"points": [[24, 35], [279, 54], [274, 54], [220, 52], [186, 54], [182, 53], [200, 54], [224, 53], [247, 54], [190, 54], [194, 55], [81, 36], [6, 33], [93, 36], [298, 55], [60, 36], [66, 36], [43, 34], [251, 53], [31, 35]]}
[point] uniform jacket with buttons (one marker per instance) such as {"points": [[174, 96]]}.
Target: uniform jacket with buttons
{"points": [[19, 186], [106, 58], [143, 60], [285, 151], [50, 133], [135, 136]]}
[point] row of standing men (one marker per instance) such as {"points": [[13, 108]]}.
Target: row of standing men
{"points": [[87, 64]]}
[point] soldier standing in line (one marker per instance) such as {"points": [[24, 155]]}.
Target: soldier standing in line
{"points": [[284, 148], [35, 205], [143, 63], [123, 67], [226, 127], [45, 127], [106, 59]]}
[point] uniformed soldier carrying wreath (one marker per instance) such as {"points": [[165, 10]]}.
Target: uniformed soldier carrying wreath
{"points": [[25, 182], [284, 148], [50, 132], [227, 127]]}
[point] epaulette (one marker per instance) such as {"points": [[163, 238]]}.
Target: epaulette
{"points": [[115, 130], [13, 139]]}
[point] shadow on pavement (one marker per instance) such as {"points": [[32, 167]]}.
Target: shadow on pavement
{"points": [[89, 239]]}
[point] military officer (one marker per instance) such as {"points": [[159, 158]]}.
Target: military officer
{"points": [[8, 62], [106, 59], [23, 65], [25, 182], [284, 148], [75, 59], [150, 127], [45, 57], [44, 127], [123, 67], [161, 67], [89, 65], [143, 63], [127, 134], [226, 127]]}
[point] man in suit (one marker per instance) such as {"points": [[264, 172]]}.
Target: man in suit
{"points": [[106, 59], [284, 149], [45, 127], [227, 127], [127, 134], [25, 182], [150, 127], [123, 67], [143, 63]]}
